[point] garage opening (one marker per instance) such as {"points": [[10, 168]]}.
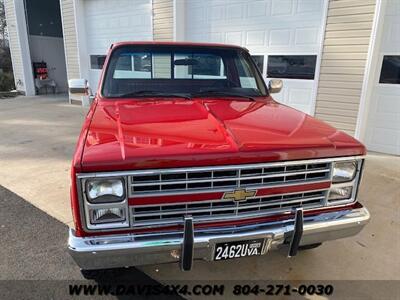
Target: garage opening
{"points": [[46, 46]]}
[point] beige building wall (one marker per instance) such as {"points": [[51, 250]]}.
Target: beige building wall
{"points": [[70, 38], [163, 20], [344, 58]]}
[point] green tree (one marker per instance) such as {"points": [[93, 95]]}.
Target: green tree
{"points": [[3, 25], [6, 73]]}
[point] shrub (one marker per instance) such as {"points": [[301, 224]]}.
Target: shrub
{"points": [[6, 81]]}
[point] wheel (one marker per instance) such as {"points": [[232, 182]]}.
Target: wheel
{"points": [[309, 247]]}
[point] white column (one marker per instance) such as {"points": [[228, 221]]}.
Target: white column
{"points": [[179, 20], [371, 69], [22, 36], [81, 39]]}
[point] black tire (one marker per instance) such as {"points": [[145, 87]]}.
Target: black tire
{"points": [[309, 247], [92, 274]]}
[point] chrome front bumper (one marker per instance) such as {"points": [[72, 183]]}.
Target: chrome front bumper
{"points": [[131, 250]]}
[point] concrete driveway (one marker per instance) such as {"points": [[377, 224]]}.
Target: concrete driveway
{"points": [[37, 138], [37, 141]]}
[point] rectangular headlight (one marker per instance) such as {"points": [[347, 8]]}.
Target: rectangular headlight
{"points": [[340, 193], [105, 190], [107, 215], [344, 171], [105, 202]]}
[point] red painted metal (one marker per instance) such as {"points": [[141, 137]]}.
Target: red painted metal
{"points": [[134, 134], [185, 44], [146, 133]]}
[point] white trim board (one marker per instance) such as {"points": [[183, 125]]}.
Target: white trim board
{"points": [[371, 66], [319, 59]]}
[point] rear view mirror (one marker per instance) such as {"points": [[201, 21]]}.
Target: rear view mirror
{"points": [[78, 87], [275, 86], [186, 62]]}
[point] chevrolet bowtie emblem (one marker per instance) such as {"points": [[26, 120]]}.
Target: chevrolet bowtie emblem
{"points": [[239, 195]]}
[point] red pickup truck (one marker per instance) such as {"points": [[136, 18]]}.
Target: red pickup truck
{"points": [[184, 155]]}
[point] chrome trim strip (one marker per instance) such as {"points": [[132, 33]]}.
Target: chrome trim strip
{"points": [[161, 186], [196, 169], [236, 178], [255, 187], [133, 250], [354, 183], [87, 206], [228, 189], [236, 207], [232, 209], [215, 218]]}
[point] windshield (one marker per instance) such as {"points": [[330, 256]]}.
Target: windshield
{"points": [[181, 71]]}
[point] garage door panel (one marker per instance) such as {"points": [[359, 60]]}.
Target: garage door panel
{"points": [[110, 21], [265, 27], [210, 17], [296, 94], [383, 121], [384, 140], [306, 36], [391, 39], [389, 104], [309, 7], [385, 111]]}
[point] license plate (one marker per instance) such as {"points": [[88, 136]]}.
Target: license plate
{"points": [[237, 249]]}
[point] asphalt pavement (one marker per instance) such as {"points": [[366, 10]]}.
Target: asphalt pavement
{"points": [[34, 262]]}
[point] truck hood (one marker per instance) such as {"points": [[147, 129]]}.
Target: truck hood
{"points": [[162, 133]]}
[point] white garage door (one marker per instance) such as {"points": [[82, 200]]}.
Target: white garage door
{"points": [[110, 21], [285, 36], [383, 129]]}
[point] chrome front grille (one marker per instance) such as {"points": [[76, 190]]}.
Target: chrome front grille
{"points": [[178, 181], [156, 198], [206, 211]]}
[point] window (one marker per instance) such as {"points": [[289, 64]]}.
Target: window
{"points": [[124, 63], [142, 62], [161, 65], [259, 61], [133, 65], [291, 66], [246, 76], [390, 72], [191, 71], [97, 61], [199, 66]]}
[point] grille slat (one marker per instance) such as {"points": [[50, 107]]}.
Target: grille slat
{"points": [[230, 179], [152, 183], [210, 210], [213, 208]]}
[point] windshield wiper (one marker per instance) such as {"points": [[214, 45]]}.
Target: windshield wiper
{"points": [[153, 94], [221, 93]]}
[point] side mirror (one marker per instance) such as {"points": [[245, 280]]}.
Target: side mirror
{"points": [[275, 86], [78, 87]]}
